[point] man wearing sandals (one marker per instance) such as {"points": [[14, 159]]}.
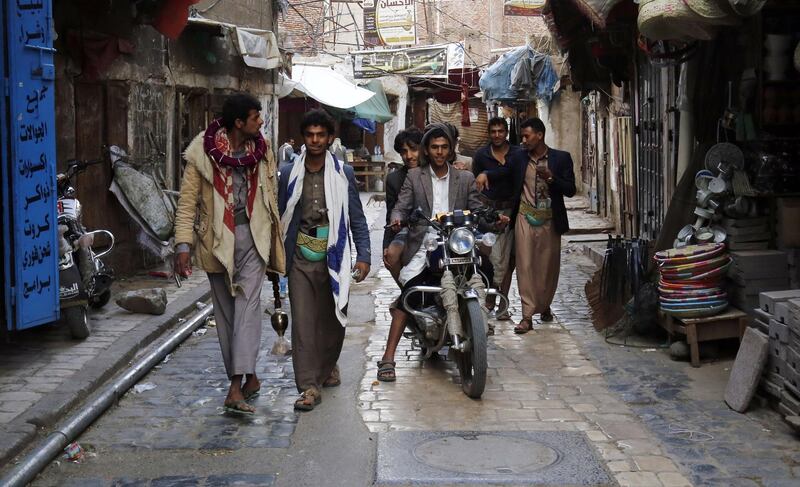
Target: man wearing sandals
{"points": [[493, 177], [435, 186], [228, 215], [543, 177], [320, 207]]}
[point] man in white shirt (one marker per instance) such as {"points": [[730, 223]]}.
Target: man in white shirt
{"points": [[286, 152], [435, 186]]}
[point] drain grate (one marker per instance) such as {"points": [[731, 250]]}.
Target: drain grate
{"points": [[552, 458]]}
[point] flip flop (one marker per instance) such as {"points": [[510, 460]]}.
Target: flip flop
{"points": [[251, 394], [239, 407]]}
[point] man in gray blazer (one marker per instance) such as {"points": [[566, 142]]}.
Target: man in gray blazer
{"points": [[434, 187]]}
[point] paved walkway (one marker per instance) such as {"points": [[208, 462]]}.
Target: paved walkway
{"points": [[43, 371], [649, 421]]}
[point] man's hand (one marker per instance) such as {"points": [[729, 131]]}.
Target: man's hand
{"points": [[502, 221], [362, 269], [460, 165], [544, 172], [482, 182], [396, 225], [183, 264]]}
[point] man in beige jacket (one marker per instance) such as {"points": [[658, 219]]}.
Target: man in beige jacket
{"points": [[228, 215]]}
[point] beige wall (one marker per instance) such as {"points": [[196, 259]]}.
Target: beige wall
{"points": [[564, 129]]}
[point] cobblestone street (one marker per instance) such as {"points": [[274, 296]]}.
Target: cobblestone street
{"points": [[640, 418]]}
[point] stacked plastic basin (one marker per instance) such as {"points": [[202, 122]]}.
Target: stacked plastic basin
{"points": [[691, 280]]}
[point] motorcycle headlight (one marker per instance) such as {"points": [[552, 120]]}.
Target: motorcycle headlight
{"points": [[461, 241]]}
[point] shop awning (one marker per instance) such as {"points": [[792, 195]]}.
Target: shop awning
{"points": [[377, 107], [328, 87]]}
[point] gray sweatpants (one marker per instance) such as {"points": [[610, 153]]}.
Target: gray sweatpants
{"points": [[239, 317]]}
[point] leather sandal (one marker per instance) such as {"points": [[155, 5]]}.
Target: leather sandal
{"points": [[386, 372], [547, 316], [308, 400], [524, 326], [333, 380]]}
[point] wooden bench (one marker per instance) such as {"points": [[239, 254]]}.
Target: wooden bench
{"points": [[731, 323]]}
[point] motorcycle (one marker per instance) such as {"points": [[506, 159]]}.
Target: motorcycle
{"points": [[452, 313], [84, 279]]}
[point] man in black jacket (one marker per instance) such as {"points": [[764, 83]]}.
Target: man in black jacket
{"points": [[406, 143], [494, 179], [543, 176]]}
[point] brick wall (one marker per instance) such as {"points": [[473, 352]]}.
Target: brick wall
{"points": [[481, 23], [301, 30]]}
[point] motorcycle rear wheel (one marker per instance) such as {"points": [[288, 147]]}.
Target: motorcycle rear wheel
{"points": [[472, 363], [77, 319]]}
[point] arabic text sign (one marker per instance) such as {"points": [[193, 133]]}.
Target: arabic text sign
{"points": [[524, 8], [390, 23], [426, 62], [31, 169]]}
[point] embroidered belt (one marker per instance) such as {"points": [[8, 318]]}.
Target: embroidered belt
{"points": [[314, 249], [535, 216]]}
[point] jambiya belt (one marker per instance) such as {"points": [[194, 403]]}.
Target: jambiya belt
{"points": [[314, 249], [535, 216]]}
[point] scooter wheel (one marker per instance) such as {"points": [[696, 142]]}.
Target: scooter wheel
{"points": [[77, 320], [97, 302]]}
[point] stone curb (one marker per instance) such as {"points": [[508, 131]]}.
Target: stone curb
{"points": [[21, 432]]}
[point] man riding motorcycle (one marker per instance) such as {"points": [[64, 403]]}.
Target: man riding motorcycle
{"points": [[434, 187]]}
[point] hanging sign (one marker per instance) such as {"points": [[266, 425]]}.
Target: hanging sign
{"points": [[390, 23], [425, 62], [523, 8]]}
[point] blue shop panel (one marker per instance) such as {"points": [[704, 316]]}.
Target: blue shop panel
{"points": [[29, 166]]}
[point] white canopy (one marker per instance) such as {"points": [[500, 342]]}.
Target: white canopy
{"points": [[328, 87]]}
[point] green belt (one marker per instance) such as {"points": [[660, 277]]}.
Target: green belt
{"points": [[314, 249], [535, 216]]}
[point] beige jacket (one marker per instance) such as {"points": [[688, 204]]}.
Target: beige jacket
{"points": [[197, 224]]}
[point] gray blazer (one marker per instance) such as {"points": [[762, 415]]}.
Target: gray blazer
{"points": [[418, 192]]}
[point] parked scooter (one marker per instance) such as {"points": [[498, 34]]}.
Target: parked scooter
{"points": [[84, 279], [452, 313]]}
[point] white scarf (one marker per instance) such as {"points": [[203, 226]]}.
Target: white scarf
{"points": [[339, 243]]}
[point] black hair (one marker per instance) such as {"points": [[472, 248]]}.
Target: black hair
{"points": [[320, 118], [534, 124], [494, 121], [411, 136], [237, 107]]}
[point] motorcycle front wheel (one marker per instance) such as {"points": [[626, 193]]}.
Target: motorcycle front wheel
{"points": [[472, 363], [77, 320], [97, 302]]}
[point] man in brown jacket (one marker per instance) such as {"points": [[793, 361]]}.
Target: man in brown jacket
{"points": [[228, 215]]}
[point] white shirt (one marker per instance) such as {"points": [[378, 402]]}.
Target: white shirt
{"points": [[441, 204]]}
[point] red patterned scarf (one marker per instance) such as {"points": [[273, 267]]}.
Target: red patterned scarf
{"points": [[218, 147]]}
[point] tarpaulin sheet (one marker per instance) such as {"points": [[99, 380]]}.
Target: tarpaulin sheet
{"points": [[328, 87], [377, 107], [520, 74]]}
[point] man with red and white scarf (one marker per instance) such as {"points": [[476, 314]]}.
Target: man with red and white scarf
{"points": [[228, 217]]}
